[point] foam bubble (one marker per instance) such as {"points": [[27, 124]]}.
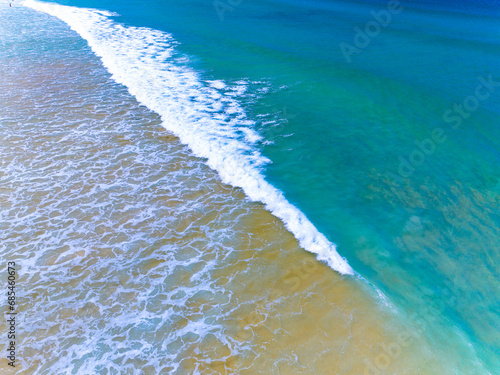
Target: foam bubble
{"points": [[211, 123]]}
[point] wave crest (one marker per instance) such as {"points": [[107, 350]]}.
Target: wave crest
{"points": [[212, 124]]}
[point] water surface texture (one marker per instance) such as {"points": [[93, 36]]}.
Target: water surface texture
{"points": [[286, 187]]}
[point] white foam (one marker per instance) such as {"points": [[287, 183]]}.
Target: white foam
{"points": [[212, 124]]}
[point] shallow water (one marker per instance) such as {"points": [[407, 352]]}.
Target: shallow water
{"points": [[136, 258]]}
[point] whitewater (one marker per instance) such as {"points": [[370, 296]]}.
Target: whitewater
{"points": [[204, 117]]}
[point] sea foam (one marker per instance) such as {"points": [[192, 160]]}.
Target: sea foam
{"points": [[204, 117]]}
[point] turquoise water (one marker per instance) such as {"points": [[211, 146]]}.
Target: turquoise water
{"points": [[372, 148]]}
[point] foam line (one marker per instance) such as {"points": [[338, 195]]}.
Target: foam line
{"points": [[211, 123]]}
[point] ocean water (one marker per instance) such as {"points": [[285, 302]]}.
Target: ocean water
{"points": [[252, 186]]}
